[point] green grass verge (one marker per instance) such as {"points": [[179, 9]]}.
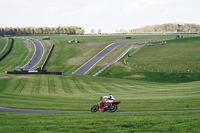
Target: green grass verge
{"points": [[19, 56], [3, 42], [3, 52], [100, 122]]}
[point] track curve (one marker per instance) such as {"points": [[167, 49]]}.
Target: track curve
{"points": [[39, 51]]}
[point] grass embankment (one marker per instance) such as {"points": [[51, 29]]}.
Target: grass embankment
{"points": [[80, 93], [100, 122], [176, 61], [20, 55]]}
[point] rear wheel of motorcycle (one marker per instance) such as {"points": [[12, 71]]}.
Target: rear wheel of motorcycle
{"points": [[95, 108], [114, 108]]}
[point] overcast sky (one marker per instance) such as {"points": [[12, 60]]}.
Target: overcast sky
{"points": [[107, 15]]}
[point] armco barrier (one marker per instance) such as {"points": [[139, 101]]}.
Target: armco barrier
{"points": [[8, 50], [45, 62], [38, 72]]}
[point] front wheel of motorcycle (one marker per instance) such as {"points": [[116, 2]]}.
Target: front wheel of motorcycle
{"points": [[113, 108], [95, 108]]}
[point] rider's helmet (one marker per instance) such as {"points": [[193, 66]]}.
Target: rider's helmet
{"points": [[110, 96]]}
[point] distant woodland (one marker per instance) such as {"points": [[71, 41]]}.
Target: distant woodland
{"points": [[72, 30], [169, 28]]}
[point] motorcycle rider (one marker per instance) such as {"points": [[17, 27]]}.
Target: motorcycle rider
{"points": [[108, 99]]}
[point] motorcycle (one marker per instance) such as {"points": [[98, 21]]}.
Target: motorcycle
{"points": [[103, 106]]}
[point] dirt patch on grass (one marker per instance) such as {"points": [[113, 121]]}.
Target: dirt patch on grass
{"points": [[14, 76], [77, 60], [46, 43], [85, 55], [137, 46], [29, 45], [22, 76], [128, 68], [3, 108], [113, 55], [3, 77], [135, 76]]}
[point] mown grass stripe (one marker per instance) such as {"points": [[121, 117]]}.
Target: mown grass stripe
{"points": [[17, 86], [58, 85], [20, 86], [108, 87], [113, 88], [28, 87], [11, 85], [65, 85], [102, 88], [92, 86], [123, 87], [87, 87], [118, 89], [73, 86], [80, 86], [43, 85], [36, 86], [51, 85]]}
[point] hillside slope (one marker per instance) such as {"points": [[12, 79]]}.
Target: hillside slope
{"points": [[176, 61]]}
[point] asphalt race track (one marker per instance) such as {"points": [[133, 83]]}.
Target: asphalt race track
{"points": [[50, 111], [88, 65], [39, 51], [36, 111]]}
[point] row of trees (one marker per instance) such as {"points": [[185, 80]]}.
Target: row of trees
{"points": [[174, 28], [98, 31], [72, 30]]}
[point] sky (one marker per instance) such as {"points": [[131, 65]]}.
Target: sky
{"points": [[107, 15]]}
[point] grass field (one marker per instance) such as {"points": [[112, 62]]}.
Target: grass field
{"points": [[80, 93], [100, 122], [179, 54]]}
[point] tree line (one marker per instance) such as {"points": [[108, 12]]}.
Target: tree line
{"points": [[71, 30], [173, 28]]}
